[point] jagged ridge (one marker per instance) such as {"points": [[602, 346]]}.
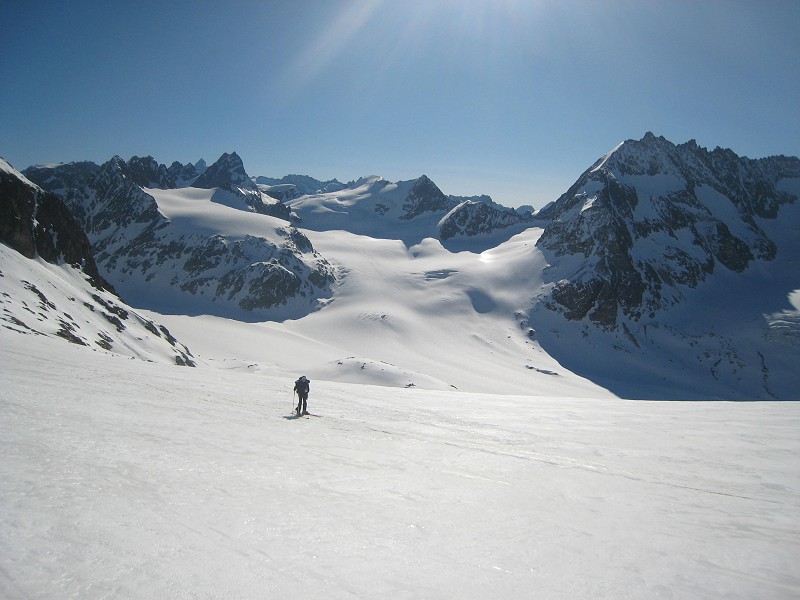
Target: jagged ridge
{"points": [[699, 210], [137, 246]]}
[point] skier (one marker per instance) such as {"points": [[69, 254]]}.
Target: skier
{"points": [[301, 388]]}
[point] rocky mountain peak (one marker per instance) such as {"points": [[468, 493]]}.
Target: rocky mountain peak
{"points": [[182, 174], [650, 155], [146, 172], [423, 197], [115, 165], [226, 173], [60, 179], [475, 217], [697, 207]]}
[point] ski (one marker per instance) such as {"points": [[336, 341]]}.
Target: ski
{"points": [[294, 415]]}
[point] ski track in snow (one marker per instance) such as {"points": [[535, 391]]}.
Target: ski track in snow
{"points": [[122, 478]]}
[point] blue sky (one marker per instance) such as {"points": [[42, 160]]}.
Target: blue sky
{"points": [[502, 97]]}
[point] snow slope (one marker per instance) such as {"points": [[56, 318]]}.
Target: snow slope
{"points": [[410, 211], [213, 256], [371, 206], [427, 316], [129, 479], [421, 316], [418, 316], [38, 299]]}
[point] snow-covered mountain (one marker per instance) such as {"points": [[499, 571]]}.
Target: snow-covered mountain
{"points": [[654, 219], [684, 256], [664, 271], [407, 210], [215, 247], [290, 187], [183, 175], [476, 217], [50, 285], [228, 174]]}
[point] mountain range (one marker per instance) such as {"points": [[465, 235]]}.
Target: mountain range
{"points": [[664, 271]]}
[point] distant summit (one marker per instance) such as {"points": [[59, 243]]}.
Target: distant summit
{"points": [[227, 173], [294, 186], [408, 210], [146, 172], [424, 196]]}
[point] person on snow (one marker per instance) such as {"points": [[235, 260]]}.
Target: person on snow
{"points": [[301, 387]]}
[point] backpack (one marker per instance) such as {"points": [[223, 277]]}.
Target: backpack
{"points": [[302, 385]]}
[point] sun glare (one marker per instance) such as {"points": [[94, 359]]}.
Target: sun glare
{"points": [[413, 30], [326, 46]]}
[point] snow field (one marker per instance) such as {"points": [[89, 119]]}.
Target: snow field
{"points": [[40, 299], [126, 478], [122, 478], [421, 315]]}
